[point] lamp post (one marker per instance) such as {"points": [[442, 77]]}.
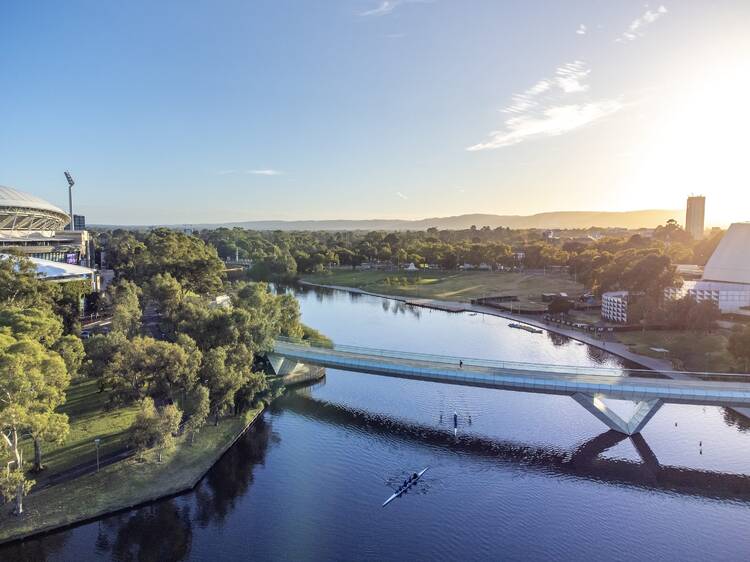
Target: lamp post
{"points": [[96, 442]]}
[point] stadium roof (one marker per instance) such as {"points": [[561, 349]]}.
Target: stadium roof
{"points": [[23, 211], [55, 271], [730, 262]]}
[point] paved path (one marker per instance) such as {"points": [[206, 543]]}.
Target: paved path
{"points": [[615, 348], [661, 366]]}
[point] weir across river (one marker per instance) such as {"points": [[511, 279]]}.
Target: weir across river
{"points": [[586, 385]]}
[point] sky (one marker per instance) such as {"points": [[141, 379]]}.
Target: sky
{"points": [[212, 111]]}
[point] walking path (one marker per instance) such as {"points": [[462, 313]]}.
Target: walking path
{"points": [[616, 348], [662, 366]]}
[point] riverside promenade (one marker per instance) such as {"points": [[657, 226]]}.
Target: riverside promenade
{"points": [[661, 366], [616, 348]]}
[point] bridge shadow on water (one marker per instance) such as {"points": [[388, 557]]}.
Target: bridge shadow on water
{"points": [[585, 461]]}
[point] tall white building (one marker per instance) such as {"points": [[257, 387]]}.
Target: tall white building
{"points": [[695, 216]]}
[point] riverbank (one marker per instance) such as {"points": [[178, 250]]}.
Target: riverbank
{"points": [[463, 286], [126, 484], [615, 348], [661, 366]]}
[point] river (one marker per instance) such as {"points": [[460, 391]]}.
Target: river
{"points": [[525, 476]]}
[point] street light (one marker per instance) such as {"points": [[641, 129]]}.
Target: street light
{"points": [[96, 442]]}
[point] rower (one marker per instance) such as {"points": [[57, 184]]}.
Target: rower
{"points": [[455, 419]]}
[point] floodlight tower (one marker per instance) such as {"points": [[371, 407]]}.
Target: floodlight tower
{"points": [[71, 183]]}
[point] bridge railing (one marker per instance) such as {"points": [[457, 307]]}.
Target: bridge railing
{"points": [[516, 365]]}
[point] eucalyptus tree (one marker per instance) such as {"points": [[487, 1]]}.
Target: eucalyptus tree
{"points": [[33, 380]]}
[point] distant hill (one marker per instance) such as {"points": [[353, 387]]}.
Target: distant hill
{"points": [[556, 220]]}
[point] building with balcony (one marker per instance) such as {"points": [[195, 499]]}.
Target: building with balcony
{"points": [[615, 306]]}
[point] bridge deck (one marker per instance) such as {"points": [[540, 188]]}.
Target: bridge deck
{"points": [[520, 377]]}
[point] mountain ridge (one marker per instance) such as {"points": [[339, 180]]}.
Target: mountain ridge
{"points": [[649, 218]]}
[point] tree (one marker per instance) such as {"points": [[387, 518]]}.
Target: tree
{"points": [[144, 427], [198, 407], [20, 286], [14, 485], [188, 259], [222, 379], [147, 367], [560, 306], [46, 427], [34, 324], [68, 301], [169, 424], [166, 292], [122, 298], [688, 314], [101, 349], [33, 381], [739, 347], [703, 316], [154, 427], [72, 351]]}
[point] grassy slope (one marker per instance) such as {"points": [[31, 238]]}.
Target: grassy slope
{"points": [[89, 419], [124, 484], [451, 286], [697, 351]]}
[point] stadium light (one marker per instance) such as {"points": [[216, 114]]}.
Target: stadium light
{"points": [[71, 183]]}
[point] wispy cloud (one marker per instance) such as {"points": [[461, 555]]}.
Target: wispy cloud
{"points": [[385, 7], [553, 106], [636, 27], [267, 172], [581, 29], [401, 196]]}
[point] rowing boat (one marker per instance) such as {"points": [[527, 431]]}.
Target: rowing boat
{"points": [[405, 487]]}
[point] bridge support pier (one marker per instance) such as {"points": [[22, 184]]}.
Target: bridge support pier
{"points": [[644, 411], [281, 365]]}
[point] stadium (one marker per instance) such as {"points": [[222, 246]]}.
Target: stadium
{"points": [[35, 227], [21, 211]]}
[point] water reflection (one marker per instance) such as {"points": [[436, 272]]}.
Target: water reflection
{"points": [[585, 461], [734, 419], [163, 531], [39, 549], [558, 340], [229, 479], [159, 532]]}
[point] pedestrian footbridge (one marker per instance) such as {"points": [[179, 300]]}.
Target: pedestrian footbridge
{"points": [[586, 385]]}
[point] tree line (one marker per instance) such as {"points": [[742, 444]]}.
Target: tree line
{"points": [[181, 356]]}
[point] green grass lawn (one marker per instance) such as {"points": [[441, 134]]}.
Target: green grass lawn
{"points": [[89, 419], [691, 351], [451, 286], [124, 484]]}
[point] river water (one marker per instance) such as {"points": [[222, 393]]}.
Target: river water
{"points": [[525, 476]]}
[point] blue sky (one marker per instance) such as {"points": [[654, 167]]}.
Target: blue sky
{"points": [[180, 112]]}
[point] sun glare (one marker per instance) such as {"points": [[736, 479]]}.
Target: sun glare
{"points": [[699, 145]]}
